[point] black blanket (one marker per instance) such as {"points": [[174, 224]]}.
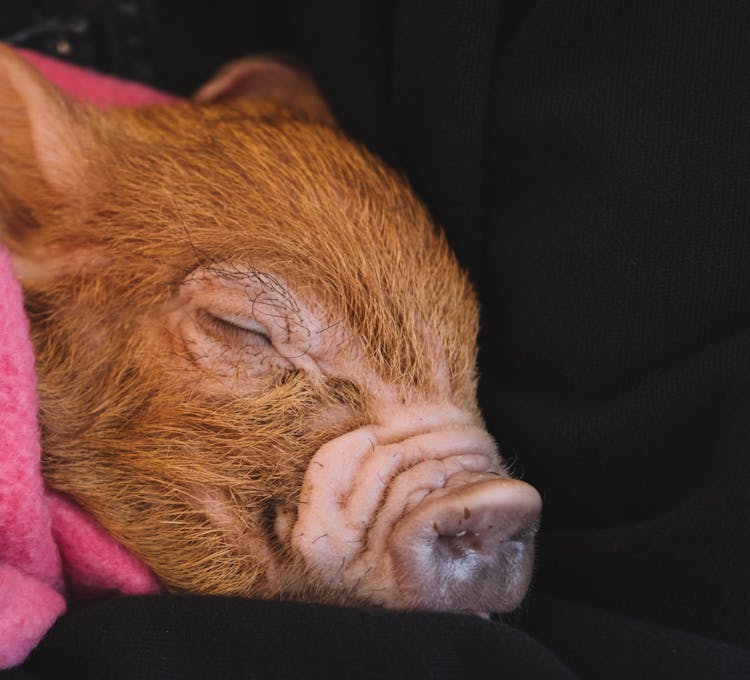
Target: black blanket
{"points": [[590, 160]]}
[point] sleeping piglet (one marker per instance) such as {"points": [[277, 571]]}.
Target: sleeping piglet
{"points": [[255, 351]]}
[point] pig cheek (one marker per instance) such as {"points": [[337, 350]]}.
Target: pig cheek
{"points": [[257, 526]]}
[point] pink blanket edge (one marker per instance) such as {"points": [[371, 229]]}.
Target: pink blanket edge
{"points": [[49, 546]]}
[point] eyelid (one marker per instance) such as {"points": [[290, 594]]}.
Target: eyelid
{"points": [[250, 325], [227, 329]]}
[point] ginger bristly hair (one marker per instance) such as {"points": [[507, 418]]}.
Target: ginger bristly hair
{"points": [[127, 433]]}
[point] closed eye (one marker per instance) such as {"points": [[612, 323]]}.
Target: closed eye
{"points": [[235, 331]]}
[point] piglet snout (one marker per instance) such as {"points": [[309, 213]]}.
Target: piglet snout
{"points": [[468, 546], [417, 520]]}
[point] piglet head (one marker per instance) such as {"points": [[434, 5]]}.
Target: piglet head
{"points": [[256, 353]]}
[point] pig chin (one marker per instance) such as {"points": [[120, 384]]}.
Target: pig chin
{"points": [[422, 516]]}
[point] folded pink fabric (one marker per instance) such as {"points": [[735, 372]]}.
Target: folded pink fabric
{"points": [[49, 548]]}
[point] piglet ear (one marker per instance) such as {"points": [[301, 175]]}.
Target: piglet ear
{"points": [[41, 130], [267, 78], [46, 142]]}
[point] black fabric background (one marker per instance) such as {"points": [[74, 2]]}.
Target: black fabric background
{"points": [[589, 161]]}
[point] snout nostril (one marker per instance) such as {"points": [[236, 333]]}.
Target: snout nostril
{"points": [[465, 542]]}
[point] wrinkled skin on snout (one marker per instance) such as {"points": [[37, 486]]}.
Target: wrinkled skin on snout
{"points": [[256, 353]]}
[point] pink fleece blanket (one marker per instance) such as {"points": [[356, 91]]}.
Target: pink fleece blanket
{"points": [[49, 549]]}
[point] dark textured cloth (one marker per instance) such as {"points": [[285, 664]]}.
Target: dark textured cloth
{"points": [[199, 637], [589, 160]]}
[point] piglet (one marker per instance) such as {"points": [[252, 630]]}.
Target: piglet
{"points": [[256, 353]]}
